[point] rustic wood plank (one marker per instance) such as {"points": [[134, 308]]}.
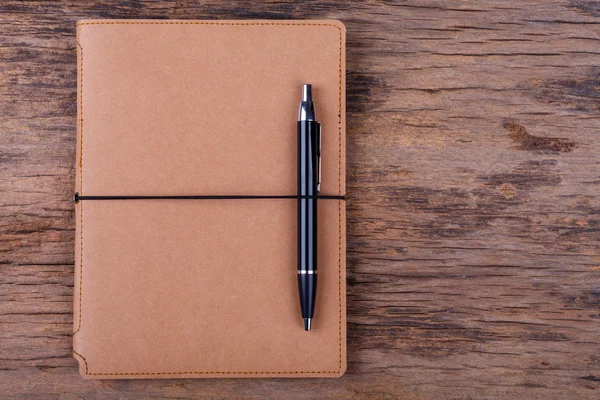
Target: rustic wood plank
{"points": [[473, 211]]}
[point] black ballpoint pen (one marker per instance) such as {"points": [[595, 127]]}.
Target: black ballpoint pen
{"points": [[309, 185]]}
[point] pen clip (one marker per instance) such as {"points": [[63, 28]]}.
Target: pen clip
{"points": [[319, 157]]}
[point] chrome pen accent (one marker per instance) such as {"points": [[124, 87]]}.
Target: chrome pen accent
{"points": [[306, 111]]}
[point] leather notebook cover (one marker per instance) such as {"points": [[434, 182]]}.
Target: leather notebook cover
{"points": [[205, 288]]}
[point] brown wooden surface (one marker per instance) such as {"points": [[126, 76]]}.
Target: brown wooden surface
{"points": [[473, 210]]}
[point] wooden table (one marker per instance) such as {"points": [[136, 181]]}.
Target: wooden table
{"points": [[473, 200]]}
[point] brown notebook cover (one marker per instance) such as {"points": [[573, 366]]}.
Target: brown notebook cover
{"points": [[205, 288]]}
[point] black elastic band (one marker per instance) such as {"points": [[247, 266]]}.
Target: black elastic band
{"points": [[78, 197]]}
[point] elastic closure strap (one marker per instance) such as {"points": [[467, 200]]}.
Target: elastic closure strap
{"points": [[77, 197]]}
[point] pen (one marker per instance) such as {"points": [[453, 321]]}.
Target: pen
{"points": [[309, 185]]}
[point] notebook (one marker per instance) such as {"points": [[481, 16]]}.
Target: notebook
{"points": [[179, 288]]}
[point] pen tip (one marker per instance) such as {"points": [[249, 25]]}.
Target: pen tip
{"points": [[307, 323], [306, 92]]}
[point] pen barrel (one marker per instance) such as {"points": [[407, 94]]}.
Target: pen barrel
{"points": [[307, 215]]}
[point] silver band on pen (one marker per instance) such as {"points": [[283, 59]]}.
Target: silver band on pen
{"points": [[306, 272]]}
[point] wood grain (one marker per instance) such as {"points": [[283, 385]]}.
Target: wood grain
{"points": [[473, 211]]}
